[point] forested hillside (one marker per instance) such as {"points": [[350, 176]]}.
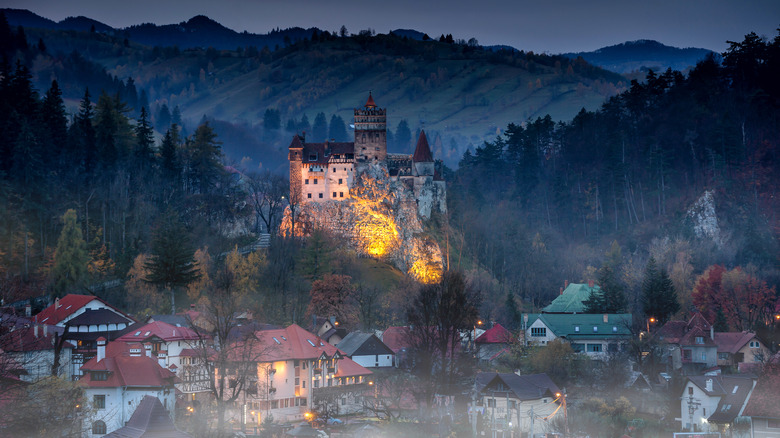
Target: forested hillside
{"points": [[681, 169], [461, 93]]}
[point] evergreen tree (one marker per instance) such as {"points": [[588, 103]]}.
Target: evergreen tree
{"points": [[337, 129], [304, 125], [205, 159], [144, 134], [319, 131], [272, 120], [403, 137], [70, 257], [163, 118], [658, 295], [169, 157], [82, 137], [55, 124], [171, 264]]}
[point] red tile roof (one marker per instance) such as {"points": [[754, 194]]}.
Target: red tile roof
{"points": [[495, 335], [763, 400], [24, 339], [397, 338], [422, 153], [370, 103], [679, 332], [68, 305], [348, 368], [732, 342], [126, 370], [162, 330]]}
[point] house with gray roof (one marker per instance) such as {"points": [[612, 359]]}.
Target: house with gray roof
{"points": [[594, 334], [367, 350], [711, 403]]}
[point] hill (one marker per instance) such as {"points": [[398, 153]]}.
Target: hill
{"points": [[461, 94], [633, 56]]}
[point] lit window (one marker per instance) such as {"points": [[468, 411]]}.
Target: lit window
{"points": [[595, 329], [576, 329]]}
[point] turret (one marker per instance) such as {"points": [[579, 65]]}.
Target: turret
{"points": [[370, 132], [295, 155], [422, 159]]}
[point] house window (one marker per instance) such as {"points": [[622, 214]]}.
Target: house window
{"points": [[538, 331], [578, 348], [594, 348], [491, 402], [303, 401], [99, 402], [306, 181], [723, 356], [595, 329], [774, 423], [320, 195], [576, 329], [316, 383], [98, 428], [343, 401], [754, 344], [690, 390], [512, 404], [614, 329], [304, 384], [699, 339], [297, 381], [704, 357], [687, 355], [99, 375]]}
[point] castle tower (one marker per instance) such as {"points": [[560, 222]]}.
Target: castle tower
{"points": [[422, 160], [370, 132], [295, 156]]}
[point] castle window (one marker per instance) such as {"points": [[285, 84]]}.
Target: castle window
{"points": [[334, 194], [309, 195], [340, 181], [320, 195], [341, 194], [376, 149], [313, 157], [306, 181], [315, 181]]}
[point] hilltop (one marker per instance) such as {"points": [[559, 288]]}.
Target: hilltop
{"points": [[639, 55]]}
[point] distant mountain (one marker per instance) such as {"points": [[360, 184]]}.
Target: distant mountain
{"points": [[642, 54], [198, 32]]}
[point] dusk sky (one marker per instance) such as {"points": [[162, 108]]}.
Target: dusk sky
{"points": [[552, 26]]}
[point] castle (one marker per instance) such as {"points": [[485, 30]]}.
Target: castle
{"points": [[326, 171]]}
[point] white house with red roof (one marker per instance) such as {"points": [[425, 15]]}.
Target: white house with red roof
{"points": [[33, 347], [173, 347], [85, 319], [117, 380], [494, 342], [298, 372]]}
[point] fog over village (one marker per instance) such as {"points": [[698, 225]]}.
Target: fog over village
{"points": [[353, 232]]}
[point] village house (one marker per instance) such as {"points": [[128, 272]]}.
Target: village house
{"points": [[493, 343], [508, 402], [737, 348], [118, 378], [297, 370], [150, 419], [367, 350], [597, 335], [85, 318], [711, 403], [763, 408], [690, 345]]}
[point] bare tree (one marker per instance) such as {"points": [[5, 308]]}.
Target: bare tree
{"points": [[267, 191]]}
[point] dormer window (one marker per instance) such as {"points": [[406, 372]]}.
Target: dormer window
{"points": [[699, 339], [313, 157], [576, 329], [595, 329]]}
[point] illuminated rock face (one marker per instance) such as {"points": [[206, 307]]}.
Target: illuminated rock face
{"points": [[379, 220]]}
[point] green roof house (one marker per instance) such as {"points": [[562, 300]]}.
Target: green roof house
{"points": [[571, 299], [594, 334]]}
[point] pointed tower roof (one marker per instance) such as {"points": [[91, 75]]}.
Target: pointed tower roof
{"points": [[422, 153], [370, 103]]}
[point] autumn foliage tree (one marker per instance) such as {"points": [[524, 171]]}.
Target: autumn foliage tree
{"points": [[333, 295], [744, 299]]}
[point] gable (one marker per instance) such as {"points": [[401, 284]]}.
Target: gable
{"points": [[372, 346]]}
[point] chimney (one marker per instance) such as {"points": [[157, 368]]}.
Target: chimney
{"points": [[45, 330], [101, 348], [712, 333], [560, 292], [27, 310], [606, 318], [565, 284], [56, 303], [590, 283], [708, 385], [148, 348], [35, 330]]}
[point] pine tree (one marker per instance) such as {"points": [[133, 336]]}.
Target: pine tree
{"points": [[55, 122], [319, 130], [171, 264], [658, 295], [403, 136], [144, 153], [70, 258], [337, 129]]}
